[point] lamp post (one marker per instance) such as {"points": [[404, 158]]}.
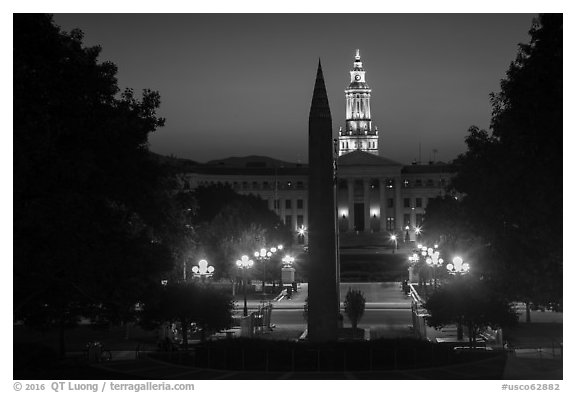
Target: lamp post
{"points": [[302, 234], [433, 259], [395, 240], [458, 268], [244, 263], [264, 255], [413, 259], [203, 270], [287, 270]]}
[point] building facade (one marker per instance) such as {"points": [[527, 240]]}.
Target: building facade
{"points": [[374, 194]]}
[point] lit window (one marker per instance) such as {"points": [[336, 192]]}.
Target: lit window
{"points": [[390, 223]]}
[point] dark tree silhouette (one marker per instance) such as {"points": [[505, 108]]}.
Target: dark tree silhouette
{"points": [[186, 303], [354, 305], [93, 220], [471, 303], [512, 178]]}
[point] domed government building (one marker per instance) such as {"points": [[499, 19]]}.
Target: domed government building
{"points": [[376, 196]]}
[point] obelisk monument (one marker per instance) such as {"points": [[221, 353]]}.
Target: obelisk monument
{"points": [[323, 291]]}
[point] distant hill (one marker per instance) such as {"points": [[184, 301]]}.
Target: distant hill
{"points": [[252, 162], [180, 164]]}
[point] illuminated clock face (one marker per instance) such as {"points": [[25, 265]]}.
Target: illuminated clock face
{"points": [[357, 77]]}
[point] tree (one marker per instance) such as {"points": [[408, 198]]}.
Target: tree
{"points": [[468, 302], [186, 303], [503, 174], [354, 305], [92, 214], [230, 225]]}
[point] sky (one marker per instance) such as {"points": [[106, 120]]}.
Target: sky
{"points": [[241, 84]]}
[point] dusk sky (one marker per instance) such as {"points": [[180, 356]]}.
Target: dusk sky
{"points": [[241, 84]]}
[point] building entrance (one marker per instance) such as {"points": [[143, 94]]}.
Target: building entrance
{"points": [[359, 217]]}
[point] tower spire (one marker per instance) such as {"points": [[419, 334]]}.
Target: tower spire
{"points": [[320, 107]]}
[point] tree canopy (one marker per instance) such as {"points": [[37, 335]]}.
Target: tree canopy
{"points": [[190, 302], [470, 302], [230, 225], [93, 218], [511, 178]]}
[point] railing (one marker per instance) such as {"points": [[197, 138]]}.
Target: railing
{"points": [[323, 360], [553, 350]]}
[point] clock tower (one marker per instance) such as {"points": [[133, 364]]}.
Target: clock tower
{"points": [[358, 133]]}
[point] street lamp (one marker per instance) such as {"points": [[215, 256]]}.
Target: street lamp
{"points": [[434, 260], [395, 240], [203, 270], [301, 234], [417, 232], [288, 260], [287, 271], [263, 255], [244, 263], [458, 267]]}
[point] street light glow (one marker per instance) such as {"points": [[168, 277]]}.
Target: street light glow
{"points": [[288, 260], [203, 270], [457, 266], [244, 262]]}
